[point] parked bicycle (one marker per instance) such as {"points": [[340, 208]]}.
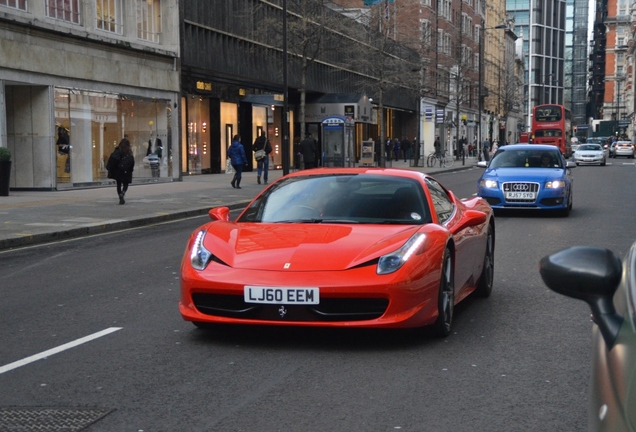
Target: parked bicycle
{"points": [[444, 160]]}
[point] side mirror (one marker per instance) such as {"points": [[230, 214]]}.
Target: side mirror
{"points": [[570, 164], [588, 274], [470, 218], [220, 213], [482, 164]]}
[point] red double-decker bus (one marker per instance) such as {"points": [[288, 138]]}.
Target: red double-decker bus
{"points": [[552, 124]]}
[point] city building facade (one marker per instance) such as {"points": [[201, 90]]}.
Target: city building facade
{"points": [[464, 49], [577, 63], [598, 44], [498, 47], [78, 76], [541, 23], [243, 75], [618, 98]]}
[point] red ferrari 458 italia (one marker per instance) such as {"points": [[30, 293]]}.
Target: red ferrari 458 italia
{"points": [[341, 247]]}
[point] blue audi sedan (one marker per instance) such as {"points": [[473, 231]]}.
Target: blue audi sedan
{"points": [[527, 176]]}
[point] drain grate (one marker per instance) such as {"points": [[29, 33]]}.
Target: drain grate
{"points": [[49, 419]]}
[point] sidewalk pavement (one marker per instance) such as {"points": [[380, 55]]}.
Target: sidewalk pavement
{"points": [[34, 217]]}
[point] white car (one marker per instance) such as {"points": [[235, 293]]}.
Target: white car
{"points": [[151, 161], [624, 148], [590, 154]]}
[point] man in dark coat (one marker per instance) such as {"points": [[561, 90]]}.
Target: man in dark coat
{"points": [[307, 148], [405, 146]]}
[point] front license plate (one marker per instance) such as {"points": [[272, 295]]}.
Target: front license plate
{"points": [[276, 295], [520, 195]]}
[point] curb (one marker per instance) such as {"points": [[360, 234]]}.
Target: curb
{"points": [[74, 233], [101, 228]]}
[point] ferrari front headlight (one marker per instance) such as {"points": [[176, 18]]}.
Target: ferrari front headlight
{"points": [[489, 184], [555, 184], [199, 255], [392, 262]]}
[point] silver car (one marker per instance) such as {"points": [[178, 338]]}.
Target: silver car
{"points": [[590, 154], [599, 278], [624, 148]]}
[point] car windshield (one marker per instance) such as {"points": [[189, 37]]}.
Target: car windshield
{"points": [[596, 147], [518, 158], [346, 198]]}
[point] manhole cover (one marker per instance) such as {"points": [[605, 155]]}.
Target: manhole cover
{"points": [[49, 419]]}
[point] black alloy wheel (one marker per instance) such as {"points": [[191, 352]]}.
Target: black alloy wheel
{"points": [[484, 286], [446, 297]]}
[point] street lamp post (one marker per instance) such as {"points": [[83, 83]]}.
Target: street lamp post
{"points": [[617, 130], [284, 123], [481, 80]]}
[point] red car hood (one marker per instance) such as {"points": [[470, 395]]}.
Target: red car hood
{"points": [[303, 247]]}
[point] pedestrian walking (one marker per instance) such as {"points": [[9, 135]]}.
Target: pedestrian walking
{"points": [[495, 146], [416, 151], [486, 150], [396, 148], [236, 153], [120, 167], [388, 148], [308, 149], [262, 148], [405, 145]]}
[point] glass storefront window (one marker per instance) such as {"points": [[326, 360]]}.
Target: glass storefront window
{"points": [[198, 130], [96, 122]]}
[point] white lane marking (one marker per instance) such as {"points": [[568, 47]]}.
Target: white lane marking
{"points": [[56, 350]]}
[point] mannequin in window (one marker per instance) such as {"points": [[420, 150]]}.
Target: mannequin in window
{"points": [[63, 146], [154, 145], [62, 140]]}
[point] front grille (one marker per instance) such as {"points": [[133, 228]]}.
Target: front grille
{"points": [[521, 187], [329, 309]]}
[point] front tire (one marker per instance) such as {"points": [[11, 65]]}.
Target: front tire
{"points": [[445, 297], [484, 287], [566, 211]]}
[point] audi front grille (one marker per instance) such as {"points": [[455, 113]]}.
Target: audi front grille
{"points": [[521, 187]]}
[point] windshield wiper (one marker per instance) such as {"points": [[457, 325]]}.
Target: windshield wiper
{"points": [[397, 222], [317, 221]]}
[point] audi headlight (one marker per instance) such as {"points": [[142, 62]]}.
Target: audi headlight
{"points": [[199, 256], [390, 263], [556, 184], [489, 184]]}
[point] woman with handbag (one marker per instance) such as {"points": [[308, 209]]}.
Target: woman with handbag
{"points": [[262, 149], [236, 152], [120, 167]]}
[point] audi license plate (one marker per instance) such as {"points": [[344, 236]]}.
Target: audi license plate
{"points": [[520, 195], [277, 295]]}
